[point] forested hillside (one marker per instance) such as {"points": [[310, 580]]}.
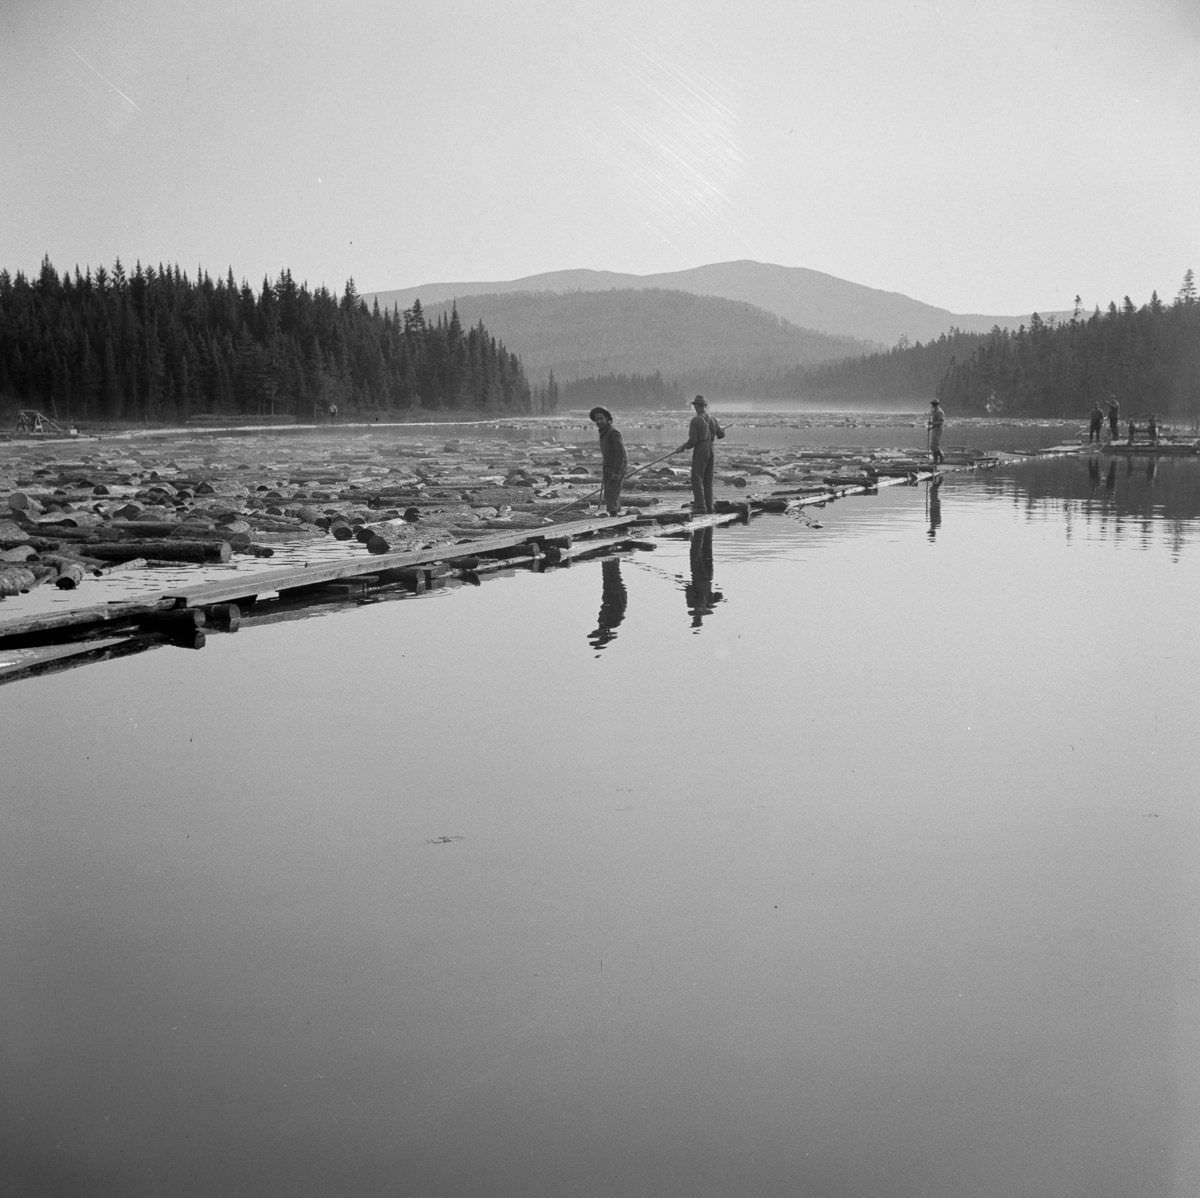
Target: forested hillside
{"points": [[695, 341], [1148, 357], [897, 377], [621, 391], [156, 345]]}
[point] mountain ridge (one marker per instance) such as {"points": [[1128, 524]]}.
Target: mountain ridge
{"points": [[807, 298]]}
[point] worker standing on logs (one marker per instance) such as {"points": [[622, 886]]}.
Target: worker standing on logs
{"points": [[613, 458], [702, 431], [937, 418], [1114, 415]]}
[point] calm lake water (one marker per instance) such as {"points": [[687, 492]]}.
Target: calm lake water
{"points": [[856, 861]]}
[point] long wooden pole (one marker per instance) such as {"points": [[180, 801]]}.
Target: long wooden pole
{"points": [[628, 475]]}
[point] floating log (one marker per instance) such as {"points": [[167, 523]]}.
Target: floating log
{"points": [[183, 627], [149, 529], [225, 617], [556, 556], [495, 565], [172, 620], [64, 532], [70, 575], [15, 579], [163, 551]]}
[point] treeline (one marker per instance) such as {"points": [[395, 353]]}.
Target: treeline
{"points": [[903, 375], [1148, 357], [618, 391], [156, 345]]}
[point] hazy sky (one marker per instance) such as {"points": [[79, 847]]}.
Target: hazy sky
{"points": [[984, 157]]}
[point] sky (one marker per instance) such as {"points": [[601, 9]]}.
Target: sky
{"points": [[993, 158]]}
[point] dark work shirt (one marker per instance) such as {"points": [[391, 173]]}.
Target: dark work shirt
{"points": [[612, 451], [702, 428]]}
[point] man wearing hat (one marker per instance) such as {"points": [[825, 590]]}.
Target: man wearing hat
{"points": [[936, 419], [701, 433], [614, 461]]}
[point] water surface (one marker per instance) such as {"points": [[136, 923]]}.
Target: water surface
{"points": [[856, 860]]}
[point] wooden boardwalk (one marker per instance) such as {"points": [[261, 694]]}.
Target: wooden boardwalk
{"points": [[180, 613]]}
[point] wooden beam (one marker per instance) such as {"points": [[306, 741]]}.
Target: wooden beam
{"points": [[249, 586]]}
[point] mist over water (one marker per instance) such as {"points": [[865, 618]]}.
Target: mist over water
{"points": [[851, 860]]}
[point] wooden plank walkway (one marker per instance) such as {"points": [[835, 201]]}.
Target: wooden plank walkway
{"points": [[272, 582], [549, 545], [554, 542]]}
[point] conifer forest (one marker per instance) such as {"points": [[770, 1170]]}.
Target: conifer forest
{"points": [[1147, 358], [156, 345]]}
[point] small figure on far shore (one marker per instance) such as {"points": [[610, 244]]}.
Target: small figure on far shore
{"points": [[1114, 416], [937, 419], [1153, 429], [1096, 424], [1132, 432], [332, 413], [702, 431], [614, 460]]}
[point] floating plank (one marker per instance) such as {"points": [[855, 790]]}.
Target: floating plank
{"points": [[44, 624], [250, 586]]}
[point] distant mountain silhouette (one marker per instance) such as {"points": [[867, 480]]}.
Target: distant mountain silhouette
{"points": [[806, 298], [689, 338]]}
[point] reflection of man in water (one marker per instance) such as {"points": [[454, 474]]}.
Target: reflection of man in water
{"points": [[701, 598], [613, 599], [935, 507]]}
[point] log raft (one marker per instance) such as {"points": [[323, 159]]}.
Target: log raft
{"points": [[414, 569]]}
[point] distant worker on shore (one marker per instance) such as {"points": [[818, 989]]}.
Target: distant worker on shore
{"points": [[1097, 423], [937, 419], [613, 459], [1114, 416], [702, 431], [1153, 430]]}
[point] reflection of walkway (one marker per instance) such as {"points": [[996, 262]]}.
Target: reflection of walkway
{"points": [[701, 598], [613, 600]]}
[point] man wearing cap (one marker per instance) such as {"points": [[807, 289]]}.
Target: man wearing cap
{"points": [[701, 432], [936, 419], [612, 457]]}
